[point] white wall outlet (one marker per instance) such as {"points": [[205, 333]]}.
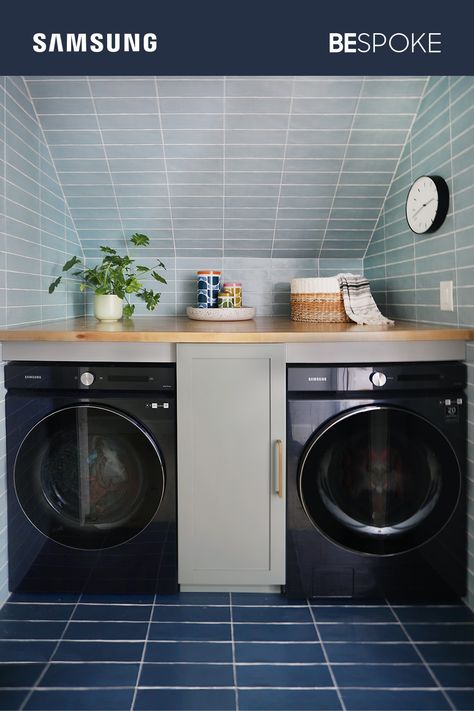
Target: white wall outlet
{"points": [[446, 302]]}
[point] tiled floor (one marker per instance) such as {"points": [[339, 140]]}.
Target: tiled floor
{"points": [[240, 651]]}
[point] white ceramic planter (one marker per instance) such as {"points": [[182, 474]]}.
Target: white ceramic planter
{"points": [[108, 307]]}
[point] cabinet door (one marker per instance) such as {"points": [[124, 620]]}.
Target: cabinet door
{"points": [[231, 416]]}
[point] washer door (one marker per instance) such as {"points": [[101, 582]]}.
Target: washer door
{"points": [[379, 480], [89, 477]]}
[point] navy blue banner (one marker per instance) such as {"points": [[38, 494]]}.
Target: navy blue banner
{"points": [[249, 37]]}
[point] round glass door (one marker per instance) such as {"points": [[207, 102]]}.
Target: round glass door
{"points": [[89, 477], [379, 480]]}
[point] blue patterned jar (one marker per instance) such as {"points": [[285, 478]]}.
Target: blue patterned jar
{"points": [[208, 288]]}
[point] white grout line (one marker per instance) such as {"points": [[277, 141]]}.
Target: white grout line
{"points": [[46, 666], [124, 236], [341, 170], [407, 139], [224, 113], [326, 658], [142, 660], [453, 210], [420, 655], [160, 123], [234, 663]]}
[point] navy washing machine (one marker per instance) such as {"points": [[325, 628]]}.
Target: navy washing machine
{"points": [[376, 480], [91, 477]]}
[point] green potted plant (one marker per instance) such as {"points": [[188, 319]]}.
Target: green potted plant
{"points": [[114, 280]]}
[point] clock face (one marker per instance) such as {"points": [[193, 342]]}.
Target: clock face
{"points": [[427, 204]]}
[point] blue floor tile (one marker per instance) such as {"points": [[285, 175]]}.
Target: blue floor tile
{"points": [[416, 613], [185, 700], [106, 630], [377, 700], [186, 675], [272, 614], [441, 633], [449, 652], [194, 598], [11, 699], [13, 651], [274, 632], [104, 613], [463, 700], [79, 699], [189, 631], [333, 632], [264, 599], [44, 597], [188, 652], [127, 599], [372, 652], [344, 601], [20, 674], [291, 653], [191, 613], [87, 675], [288, 700], [281, 675], [99, 652], [280, 663], [353, 614], [455, 675], [383, 675], [31, 630], [15, 611]]}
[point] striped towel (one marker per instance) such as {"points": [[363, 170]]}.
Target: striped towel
{"points": [[358, 301]]}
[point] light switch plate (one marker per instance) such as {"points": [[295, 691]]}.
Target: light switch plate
{"points": [[446, 302]]}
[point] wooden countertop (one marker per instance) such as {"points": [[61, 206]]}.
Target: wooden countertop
{"points": [[276, 329]]}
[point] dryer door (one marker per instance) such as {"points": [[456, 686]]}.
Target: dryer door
{"points": [[379, 480], [89, 477]]}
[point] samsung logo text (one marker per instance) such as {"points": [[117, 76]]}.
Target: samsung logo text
{"points": [[96, 42], [364, 42]]}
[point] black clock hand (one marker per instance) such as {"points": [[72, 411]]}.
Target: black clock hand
{"points": [[421, 208]]}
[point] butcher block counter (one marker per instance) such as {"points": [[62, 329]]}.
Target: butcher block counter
{"points": [[274, 329]]}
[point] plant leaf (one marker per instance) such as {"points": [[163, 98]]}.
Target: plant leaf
{"points": [[142, 269], [70, 263], [54, 284], [108, 250], [140, 240], [158, 277], [128, 310]]}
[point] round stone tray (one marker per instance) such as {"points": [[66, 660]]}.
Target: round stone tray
{"points": [[242, 314]]}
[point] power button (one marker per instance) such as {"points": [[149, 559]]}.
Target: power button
{"points": [[378, 379], [87, 379]]}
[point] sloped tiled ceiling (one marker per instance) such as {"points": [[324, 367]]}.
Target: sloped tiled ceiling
{"points": [[227, 166]]}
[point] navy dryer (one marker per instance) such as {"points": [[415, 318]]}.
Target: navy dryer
{"points": [[91, 458], [376, 480]]}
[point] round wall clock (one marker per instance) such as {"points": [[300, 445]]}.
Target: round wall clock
{"points": [[427, 204]]}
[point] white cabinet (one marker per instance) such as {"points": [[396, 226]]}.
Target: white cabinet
{"points": [[231, 479]]}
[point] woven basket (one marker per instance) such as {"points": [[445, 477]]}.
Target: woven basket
{"points": [[318, 307]]}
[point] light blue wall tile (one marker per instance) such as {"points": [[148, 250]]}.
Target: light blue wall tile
{"points": [[177, 87], [44, 89], [441, 142], [35, 222], [122, 88]]}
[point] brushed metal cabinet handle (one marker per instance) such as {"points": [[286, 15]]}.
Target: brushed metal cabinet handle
{"points": [[278, 460]]}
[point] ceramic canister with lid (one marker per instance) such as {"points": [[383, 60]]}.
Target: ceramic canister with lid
{"points": [[235, 288], [208, 288], [225, 299]]}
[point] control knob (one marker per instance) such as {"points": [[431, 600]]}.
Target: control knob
{"points": [[378, 379], [87, 379]]}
